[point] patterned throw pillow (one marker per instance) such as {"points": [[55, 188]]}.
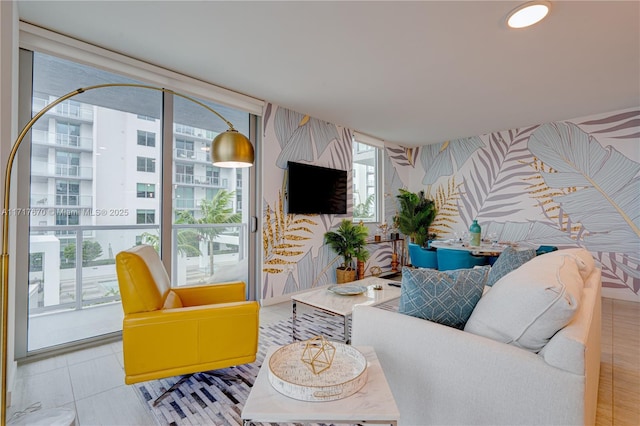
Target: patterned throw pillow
{"points": [[445, 297], [509, 260]]}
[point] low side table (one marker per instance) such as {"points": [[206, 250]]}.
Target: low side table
{"points": [[373, 403]]}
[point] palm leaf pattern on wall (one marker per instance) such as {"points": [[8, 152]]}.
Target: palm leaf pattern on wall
{"points": [[437, 159], [607, 200], [283, 237], [298, 133], [446, 198], [618, 126], [403, 156], [494, 181], [551, 210]]}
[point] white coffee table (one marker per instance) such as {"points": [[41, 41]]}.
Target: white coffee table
{"points": [[334, 304], [373, 403]]}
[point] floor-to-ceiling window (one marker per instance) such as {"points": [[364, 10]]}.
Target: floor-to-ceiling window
{"points": [[98, 185]]}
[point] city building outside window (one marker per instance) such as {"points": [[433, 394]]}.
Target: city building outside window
{"points": [[67, 193], [184, 197], [145, 216], [67, 163], [67, 133], [213, 175], [146, 138], [184, 149], [146, 164], [65, 217], [146, 117], [146, 190], [184, 173]]}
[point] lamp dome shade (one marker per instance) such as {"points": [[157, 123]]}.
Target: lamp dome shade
{"points": [[232, 149]]}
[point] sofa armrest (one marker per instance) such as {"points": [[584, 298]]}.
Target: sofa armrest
{"points": [[234, 291], [442, 375]]}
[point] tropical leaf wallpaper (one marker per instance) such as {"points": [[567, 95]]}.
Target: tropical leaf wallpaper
{"points": [[574, 183]]}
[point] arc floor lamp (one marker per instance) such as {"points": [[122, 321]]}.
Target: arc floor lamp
{"points": [[229, 149]]}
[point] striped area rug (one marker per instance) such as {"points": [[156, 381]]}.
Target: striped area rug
{"points": [[210, 400]]}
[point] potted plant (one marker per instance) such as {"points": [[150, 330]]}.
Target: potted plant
{"points": [[348, 241], [415, 216]]}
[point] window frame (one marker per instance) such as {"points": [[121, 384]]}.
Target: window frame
{"points": [[378, 207], [36, 39]]}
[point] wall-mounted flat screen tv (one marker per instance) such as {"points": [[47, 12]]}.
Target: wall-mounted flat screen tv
{"points": [[315, 190]]}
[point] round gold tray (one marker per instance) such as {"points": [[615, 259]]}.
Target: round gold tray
{"points": [[289, 375]]}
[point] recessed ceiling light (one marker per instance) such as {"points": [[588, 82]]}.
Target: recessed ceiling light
{"points": [[528, 14]]}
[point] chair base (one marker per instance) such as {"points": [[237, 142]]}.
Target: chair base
{"points": [[186, 377]]}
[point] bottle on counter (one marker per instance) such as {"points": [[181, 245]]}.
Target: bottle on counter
{"points": [[474, 234]]}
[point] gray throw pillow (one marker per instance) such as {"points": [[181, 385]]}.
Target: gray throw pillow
{"points": [[509, 260], [445, 297]]}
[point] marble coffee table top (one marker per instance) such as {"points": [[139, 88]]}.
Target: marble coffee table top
{"points": [[343, 305]]}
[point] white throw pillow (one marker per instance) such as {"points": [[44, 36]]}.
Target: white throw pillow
{"points": [[529, 305], [584, 259]]}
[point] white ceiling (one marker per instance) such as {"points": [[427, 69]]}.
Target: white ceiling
{"points": [[407, 72]]}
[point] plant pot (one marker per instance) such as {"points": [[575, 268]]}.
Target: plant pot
{"points": [[345, 275], [423, 257]]}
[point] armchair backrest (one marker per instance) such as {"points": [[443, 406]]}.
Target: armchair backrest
{"points": [[143, 281]]}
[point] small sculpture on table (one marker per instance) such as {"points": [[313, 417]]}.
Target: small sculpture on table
{"points": [[383, 227], [318, 354]]}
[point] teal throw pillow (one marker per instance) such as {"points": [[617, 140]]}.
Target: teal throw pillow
{"points": [[509, 260], [445, 297]]}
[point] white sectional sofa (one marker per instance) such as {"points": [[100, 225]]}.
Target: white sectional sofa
{"points": [[440, 375]]}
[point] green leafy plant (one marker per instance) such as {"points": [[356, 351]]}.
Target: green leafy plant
{"points": [[364, 210], [349, 241], [415, 216]]}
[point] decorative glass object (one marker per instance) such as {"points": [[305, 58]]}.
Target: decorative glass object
{"points": [[475, 232]]}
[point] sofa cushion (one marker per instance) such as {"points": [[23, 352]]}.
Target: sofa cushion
{"points": [[529, 305], [584, 260], [445, 297], [509, 260]]}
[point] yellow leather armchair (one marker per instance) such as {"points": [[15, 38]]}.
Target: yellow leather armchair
{"points": [[182, 330]]}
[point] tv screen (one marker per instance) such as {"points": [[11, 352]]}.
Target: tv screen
{"points": [[316, 190]]}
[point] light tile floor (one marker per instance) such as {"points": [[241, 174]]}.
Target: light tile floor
{"points": [[90, 380]]}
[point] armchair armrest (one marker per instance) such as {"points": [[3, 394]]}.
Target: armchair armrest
{"points": [[207, 294], [215, 311]]}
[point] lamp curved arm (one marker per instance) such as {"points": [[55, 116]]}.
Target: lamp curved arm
{"points": [[4, 291]]}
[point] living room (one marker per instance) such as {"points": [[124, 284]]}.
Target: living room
{"points": [[494, 161]]}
